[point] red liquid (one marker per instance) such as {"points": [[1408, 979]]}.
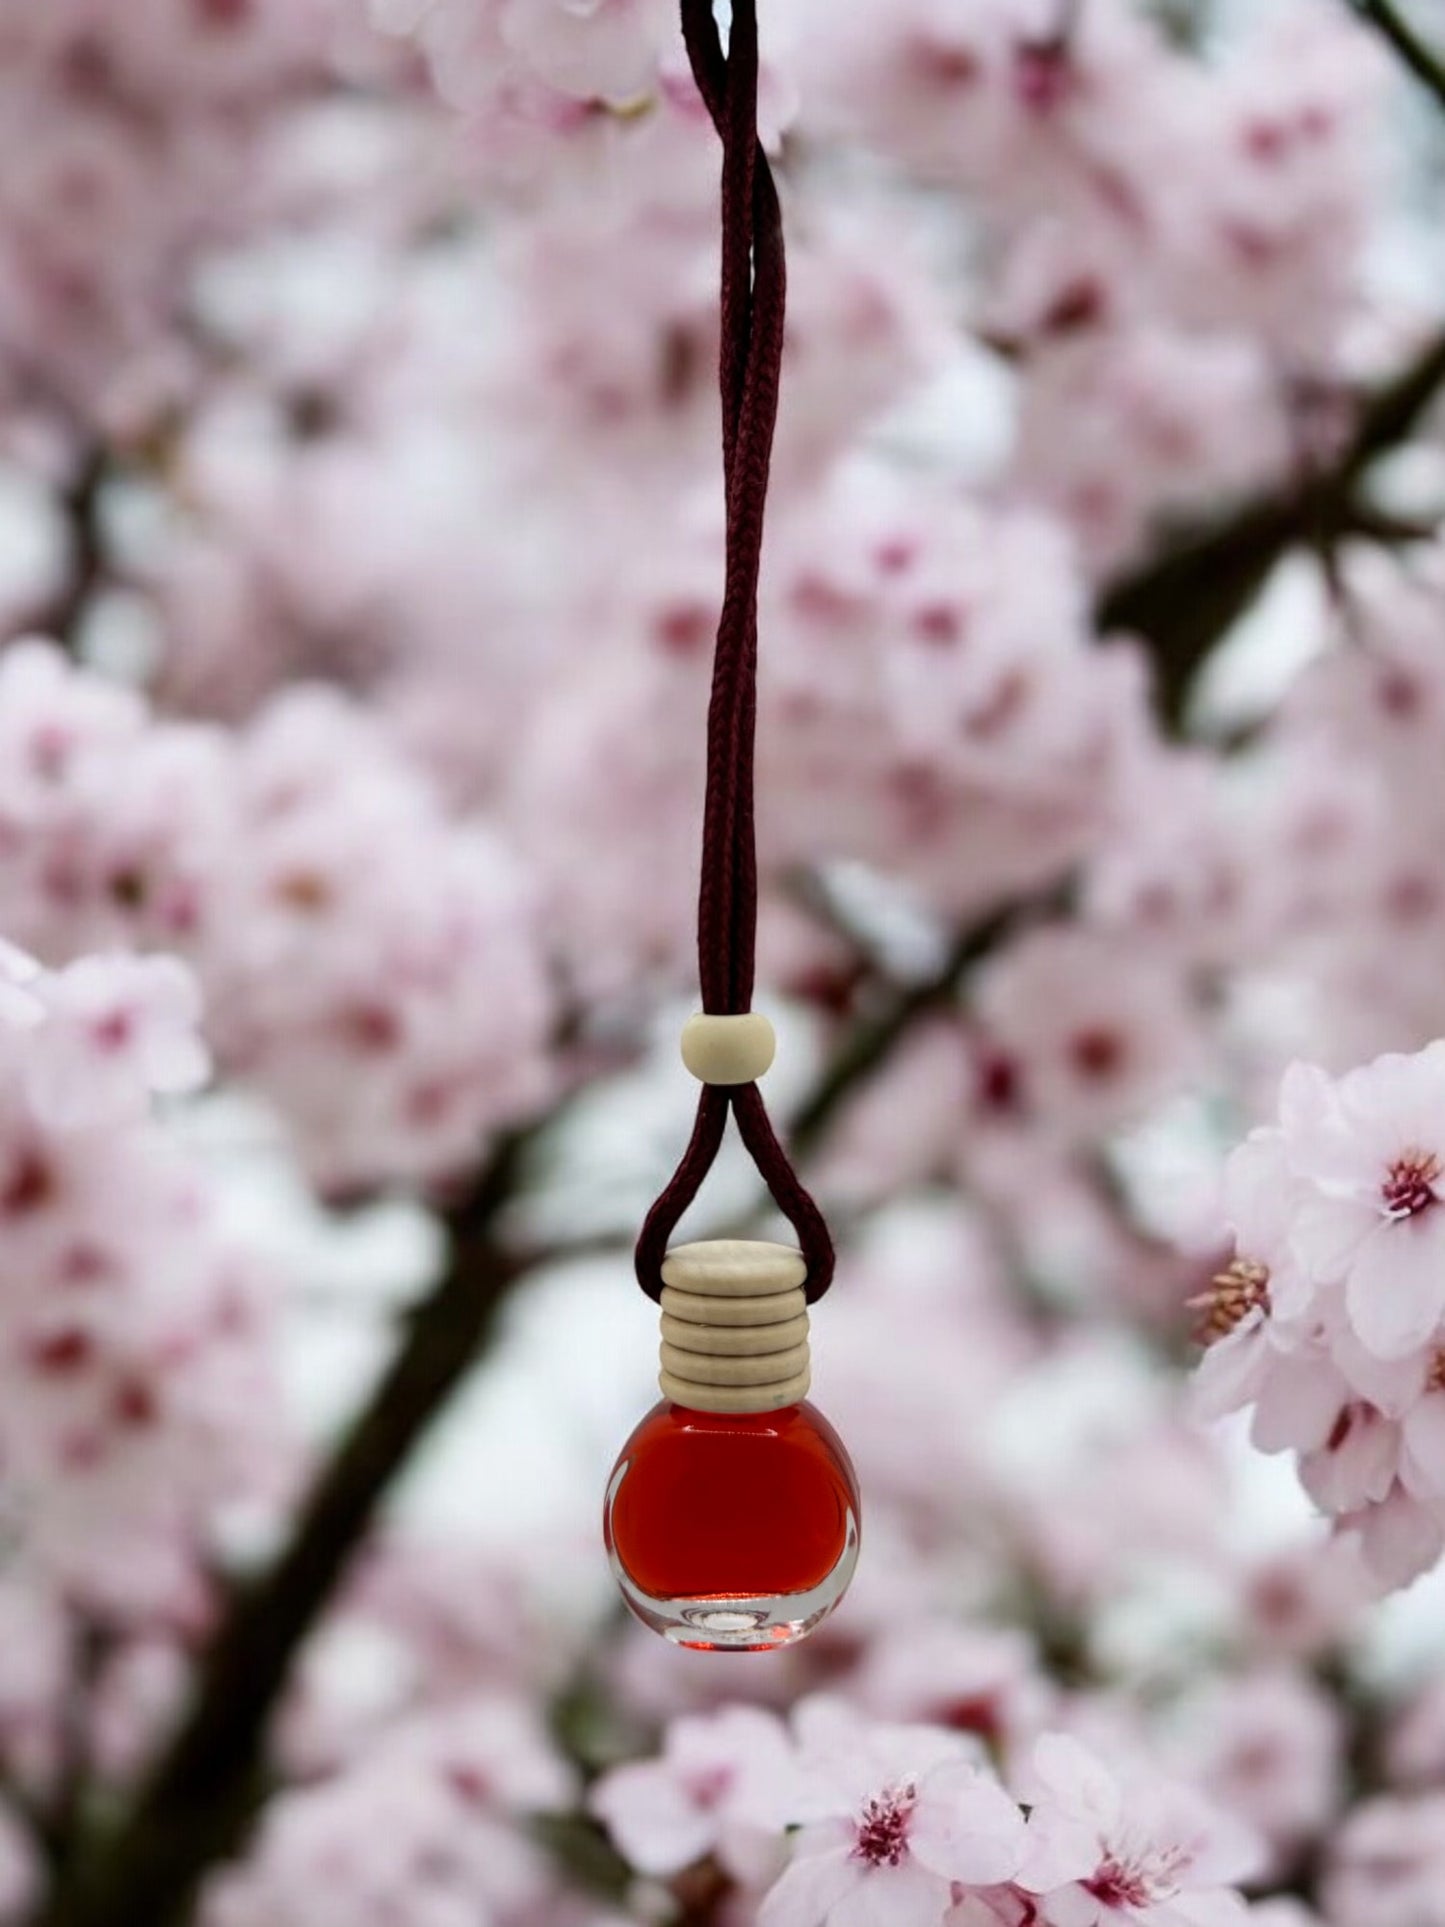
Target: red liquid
{"points": [[715, 1506]]}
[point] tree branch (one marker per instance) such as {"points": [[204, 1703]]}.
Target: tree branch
{"points": [[204, 1794], [1184, 600], [62, 615], [874, 1039], [201, 1798], [1423, 62]]}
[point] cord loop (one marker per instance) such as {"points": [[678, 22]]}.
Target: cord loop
{"points": [[753, 303]]}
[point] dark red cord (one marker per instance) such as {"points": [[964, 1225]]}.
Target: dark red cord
{"points": [[754, 298]]}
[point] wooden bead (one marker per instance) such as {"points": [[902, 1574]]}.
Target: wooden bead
{"points": [[728, 1050], [734, 1268], [693, 1309], [735, 1341], [701, 1370], [735, 1398]]}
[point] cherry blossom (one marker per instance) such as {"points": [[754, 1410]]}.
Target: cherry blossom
{"points": [[895, 1815], [606, 50], [141, 1393], [1266, 1748], [1094, 1032], [120, 1029], [361, 551], [1343, 1370], [1386, 1864], [1102, 1850], [722, 1785], [1263, 1292], [1366, 1146], [421, 1828], [384, 1044]]}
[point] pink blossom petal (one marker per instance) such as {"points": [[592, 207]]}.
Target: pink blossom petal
{"points": [[1298, 1405], [1399, 1539], [1218, 1908], [1358, 1463], [1074, 1906], [1422, 1468], [965, 1827], [1328, 1232], [1257, 1195], [822, 1872], [1081, 1785], [902, 1896], [1232, 1371], [20, 1005], [1393, 1385], [1057, 1850], [648, 1815], [1396, 1288]]}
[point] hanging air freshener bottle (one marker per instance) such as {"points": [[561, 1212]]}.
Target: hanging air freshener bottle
{"points": [[732, 1514]]}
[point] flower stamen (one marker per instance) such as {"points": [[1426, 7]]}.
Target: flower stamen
{"points": [[1242, 1287], [1409, 1186], [883, 1827]]}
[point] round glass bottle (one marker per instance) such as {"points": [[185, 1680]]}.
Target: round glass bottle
{"points": [[733, 1531]]}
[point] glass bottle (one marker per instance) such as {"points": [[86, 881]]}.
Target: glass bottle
{"points": [[731, 1527]]}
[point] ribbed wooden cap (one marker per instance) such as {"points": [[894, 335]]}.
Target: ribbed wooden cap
{"points": [[734, 1268], [734, 1326]]}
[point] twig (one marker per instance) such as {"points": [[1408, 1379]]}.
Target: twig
{"points": [[62, 615], [204, 1793], [1424, 63], [874, 1040], [203, 1796], [1183, 601], [200, 1800], [58, 1823]]}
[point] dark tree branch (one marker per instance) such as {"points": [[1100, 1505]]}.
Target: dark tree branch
{"points": [[204, 1793], [874, 1039], [1184, 600], [201, 1798], [61, 616], [1424, 63], [58, 1821]]}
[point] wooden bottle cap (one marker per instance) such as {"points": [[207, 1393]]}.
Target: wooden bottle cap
{"points": [[734, 1326], [735, 1341], [734, 1268], [694, 1309], [699, 1369]]}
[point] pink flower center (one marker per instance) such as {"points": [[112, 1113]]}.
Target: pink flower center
{"points": [[1137, 1878], [1119, 1886], [1044, 74], [1409, 1186], [883, 1827], [1098, 1053], [114, 1031], [707, 1789]]}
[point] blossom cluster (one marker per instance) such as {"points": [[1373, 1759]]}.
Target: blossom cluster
{"points": [[121, 140], [436, 1814], [1330, 1319], [361, 546], [370, 967], [908, 1824], [137, 1334]]}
